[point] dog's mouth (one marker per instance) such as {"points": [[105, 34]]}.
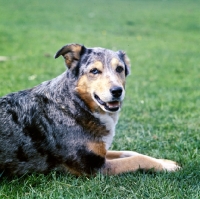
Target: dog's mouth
{"points": [[112, 106]]}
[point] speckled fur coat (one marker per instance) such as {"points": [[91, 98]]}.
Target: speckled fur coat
{"points": [[69, 121]]}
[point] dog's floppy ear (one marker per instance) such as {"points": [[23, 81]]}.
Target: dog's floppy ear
{"points": [[126, 61], [71, 54]]}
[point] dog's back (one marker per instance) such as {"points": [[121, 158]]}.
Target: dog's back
{"points": [[25, 132]]}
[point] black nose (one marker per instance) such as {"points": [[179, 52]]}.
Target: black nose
{"points": [[116, 91]]}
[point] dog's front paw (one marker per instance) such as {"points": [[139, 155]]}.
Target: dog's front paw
{"points": [[169, 165]]}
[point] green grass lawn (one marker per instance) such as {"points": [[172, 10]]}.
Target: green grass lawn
{"points": [[161, 113]]}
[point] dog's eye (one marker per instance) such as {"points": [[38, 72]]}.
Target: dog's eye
{"points": [[95, 71], [119, 69]]}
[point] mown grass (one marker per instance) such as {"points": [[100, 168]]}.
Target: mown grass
{"points": [[161, 113]]}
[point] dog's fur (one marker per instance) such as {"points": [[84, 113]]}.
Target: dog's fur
{"points": [[70, 121]]}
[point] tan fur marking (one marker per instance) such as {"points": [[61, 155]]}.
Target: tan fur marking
{"points": [[68, 58], [116, 165], [77, 49], [122, 165], [98, 148], [121, 77], [113, 155], [114, 62], [83, 88], [72, 53], [98, 65]]}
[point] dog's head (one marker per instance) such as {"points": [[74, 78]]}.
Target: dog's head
{"points": [[100, 75]]}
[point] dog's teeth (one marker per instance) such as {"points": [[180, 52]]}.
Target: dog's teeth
{"points": [[113, 104]]}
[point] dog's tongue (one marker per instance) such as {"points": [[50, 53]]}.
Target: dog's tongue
{"points": [[114, 104]]}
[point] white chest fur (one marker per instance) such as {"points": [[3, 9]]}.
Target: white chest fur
{"points": [[110, 121]]}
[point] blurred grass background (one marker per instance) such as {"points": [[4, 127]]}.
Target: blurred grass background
{"points": [[161, 113]]}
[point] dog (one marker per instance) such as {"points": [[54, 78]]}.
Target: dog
{"points": [[69, 122]]}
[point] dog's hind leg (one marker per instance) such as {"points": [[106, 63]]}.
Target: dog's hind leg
{"points": [[127, 161]]}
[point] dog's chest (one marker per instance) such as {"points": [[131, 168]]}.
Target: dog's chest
{"points": [[110, 122]]}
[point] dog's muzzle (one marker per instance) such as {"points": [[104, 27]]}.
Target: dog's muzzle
{"points": [[113, 105]]}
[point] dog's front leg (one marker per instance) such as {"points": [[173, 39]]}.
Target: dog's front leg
{"points": [[119, 154], [127, 161]]}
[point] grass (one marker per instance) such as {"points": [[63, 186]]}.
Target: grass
{"points": [[161, 113]]}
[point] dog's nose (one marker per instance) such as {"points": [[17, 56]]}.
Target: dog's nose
{"points": [[116, 91]]}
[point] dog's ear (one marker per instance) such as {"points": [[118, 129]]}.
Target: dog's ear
{"points": [[126, 61], [71, 54]]}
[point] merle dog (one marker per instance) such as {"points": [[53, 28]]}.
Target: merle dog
{"points": [[69, 121]]}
